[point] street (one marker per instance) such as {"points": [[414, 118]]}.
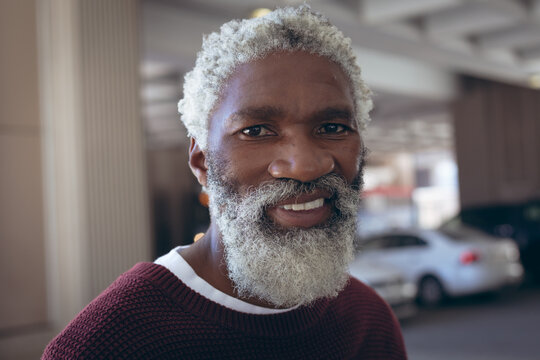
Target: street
{"points": [[502, 327]]}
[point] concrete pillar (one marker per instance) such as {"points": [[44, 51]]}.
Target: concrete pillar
{"points": [[22, 261], [95, 166]]}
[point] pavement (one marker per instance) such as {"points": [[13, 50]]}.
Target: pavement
{"points": [[495, 327]]}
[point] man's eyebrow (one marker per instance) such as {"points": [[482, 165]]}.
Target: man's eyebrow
{"points": [[268, 113], [334, 113], [261, 113]]}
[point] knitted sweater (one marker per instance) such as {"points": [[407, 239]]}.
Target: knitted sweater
{"points": [[148, 313]]}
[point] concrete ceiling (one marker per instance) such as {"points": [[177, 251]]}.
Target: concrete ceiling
{"points": [[411, 51]]}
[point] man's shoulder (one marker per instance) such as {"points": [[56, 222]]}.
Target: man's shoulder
{"points": [[130, 289], [376, 330], [139, 285], [117, 314]]}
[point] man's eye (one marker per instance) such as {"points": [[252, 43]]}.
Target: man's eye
{"points": [[332, 129], [256, 131]]}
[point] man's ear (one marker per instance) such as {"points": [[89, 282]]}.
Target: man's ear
{"points": [[197, 162]]}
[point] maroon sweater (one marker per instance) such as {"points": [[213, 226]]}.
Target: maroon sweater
{"points": [[148, 313]]}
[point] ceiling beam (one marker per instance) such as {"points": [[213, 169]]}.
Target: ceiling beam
{"points": [[535, 8], [474, 17], [160, 91], [512, 38], [376, 11], [371, 37], [530, 54], [399, 75], [173, 35]]}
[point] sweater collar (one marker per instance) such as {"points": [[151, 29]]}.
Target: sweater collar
{"points": [[283, 324]]}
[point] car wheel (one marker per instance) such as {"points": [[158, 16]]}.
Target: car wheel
{"points": [[430, 291]]}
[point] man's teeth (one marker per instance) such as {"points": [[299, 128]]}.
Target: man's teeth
{"points": [[305, 206]]}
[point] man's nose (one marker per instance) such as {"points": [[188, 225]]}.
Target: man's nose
{"points": [[302, 159]]}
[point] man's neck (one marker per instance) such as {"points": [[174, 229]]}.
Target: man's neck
{"points": [[207, 258]]}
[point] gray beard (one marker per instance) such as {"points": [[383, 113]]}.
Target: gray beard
{"points": [[284, 266]]}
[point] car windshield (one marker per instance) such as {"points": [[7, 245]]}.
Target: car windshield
{"points": [[456, 231]]}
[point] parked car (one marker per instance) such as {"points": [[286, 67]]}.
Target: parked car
{"points": [[455, 261], [388, 283], [520, 221]]}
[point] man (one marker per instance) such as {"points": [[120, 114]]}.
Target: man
{"points": [[274, 108]]}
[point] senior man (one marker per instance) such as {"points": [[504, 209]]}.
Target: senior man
{"points": [[274, 107]]}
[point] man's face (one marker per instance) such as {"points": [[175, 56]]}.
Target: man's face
{"points": [[287, 116], [284, 178]]}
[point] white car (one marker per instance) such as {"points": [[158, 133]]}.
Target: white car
{"points": [[388, 283], [453, 261]]}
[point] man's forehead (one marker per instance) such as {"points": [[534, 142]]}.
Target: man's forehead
{"points": [[263, 85]]}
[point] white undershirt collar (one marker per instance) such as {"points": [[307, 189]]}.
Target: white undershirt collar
{"points": [[176, 264]]}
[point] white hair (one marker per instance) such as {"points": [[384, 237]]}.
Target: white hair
{"points": [[242, 41]]}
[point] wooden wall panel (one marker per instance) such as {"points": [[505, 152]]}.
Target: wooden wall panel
{"points": [[498, 152]]}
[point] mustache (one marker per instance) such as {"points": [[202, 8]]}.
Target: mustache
{"points": [[254, 203], [274, 191]]}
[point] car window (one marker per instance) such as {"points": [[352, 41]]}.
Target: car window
{"points": [[373, 244], [382, 242], [392, 241], [409, 240], [401, 240], [461, 234]]}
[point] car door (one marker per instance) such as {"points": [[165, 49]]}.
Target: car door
{"points": [[408, 253]]}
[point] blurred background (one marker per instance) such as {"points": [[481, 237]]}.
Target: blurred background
{"points": [[93, 157]]}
